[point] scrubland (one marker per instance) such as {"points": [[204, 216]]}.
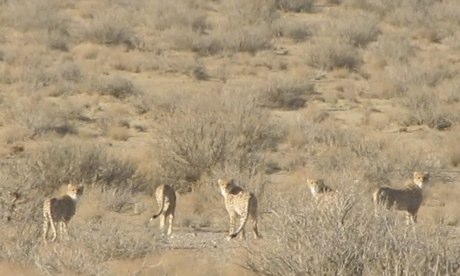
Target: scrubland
{"points": [[122, 96]]}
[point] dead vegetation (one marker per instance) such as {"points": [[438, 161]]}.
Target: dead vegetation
{"points": [[124, 95]]}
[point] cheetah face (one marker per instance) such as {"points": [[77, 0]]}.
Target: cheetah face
{"points": [[225, 185], [421, 178], [314, 185], [74, 191]]}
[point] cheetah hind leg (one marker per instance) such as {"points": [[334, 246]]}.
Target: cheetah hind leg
{"points": [[232, 217], [46, 226], [243, 220], [53, 230]]}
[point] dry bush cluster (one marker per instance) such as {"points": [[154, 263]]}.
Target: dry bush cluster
{"points": [[345, 238], [52, 165], [208, 135], [86, 253], [286, 94], [329, 147]]}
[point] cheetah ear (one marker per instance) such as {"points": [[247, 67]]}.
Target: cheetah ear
{"points": [[219, 181]]}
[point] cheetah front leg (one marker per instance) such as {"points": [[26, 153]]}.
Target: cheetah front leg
{"points": [[162, 223], [255, 228], [232, 216], [46, 225], [171, 220], [64, 230], [53, 230]]}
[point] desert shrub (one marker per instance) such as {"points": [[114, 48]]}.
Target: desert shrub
{"points": [[29, 15], [394, 48], [287, 95], [247, 26], [38, 116], [425, 106], [297, 31], [115, 86], [181, 14], [358, 29], [329, 54], [70, 71], [296, 5], [380, 7], [110, 30], [115, 200], [334, 148], [54, 165], [341, 239], [209, 133], [199, 72], [108, 241]]}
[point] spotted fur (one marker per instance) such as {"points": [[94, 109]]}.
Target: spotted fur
{"points": [[407, 199], [238, 203], [166, 199], [319, 190], [60, 210]]}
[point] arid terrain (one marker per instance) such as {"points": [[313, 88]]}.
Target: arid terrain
{"points": [[123, 95]]}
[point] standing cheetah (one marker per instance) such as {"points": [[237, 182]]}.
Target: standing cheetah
{"points": [[166, 199], [238, 203], [408, 199], [60, 210], [318, 188]]}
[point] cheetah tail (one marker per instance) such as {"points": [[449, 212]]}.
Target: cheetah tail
{"points": [[161, 208]]}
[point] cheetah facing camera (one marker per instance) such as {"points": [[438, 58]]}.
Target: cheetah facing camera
{"points": [[166, 199], [318, 188], [238, 203], [60, 210], [408, 199]]}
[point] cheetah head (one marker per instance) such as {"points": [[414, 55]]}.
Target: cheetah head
{"points": [[421, 178], [225, 185], [74, 191], [315, 185]]}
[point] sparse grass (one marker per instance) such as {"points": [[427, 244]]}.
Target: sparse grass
{"points": [[394, 48], [39, 117], [286, 94], [339, 239], [204, 136], [296, 5], [123, 95], [116, 86], [111, 31], [329, 54], [359, 30], [297, 31], [118, 133], [55, 165]]}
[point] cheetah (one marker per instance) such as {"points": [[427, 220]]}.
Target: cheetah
{"points": [[60, 210], [319, 190], [166, 199], [238, 203], [408, 199]]}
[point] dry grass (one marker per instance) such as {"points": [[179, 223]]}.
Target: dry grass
{"points": [[204, 136], [338, 239], [124, 95]]}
